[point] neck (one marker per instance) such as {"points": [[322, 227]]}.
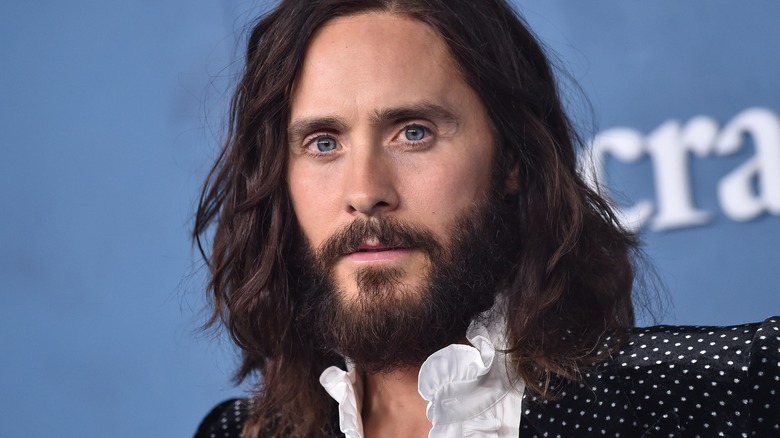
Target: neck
{"points": [[392, 405]]}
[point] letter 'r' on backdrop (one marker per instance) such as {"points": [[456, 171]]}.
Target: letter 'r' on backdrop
{"points": [[687, 141]]}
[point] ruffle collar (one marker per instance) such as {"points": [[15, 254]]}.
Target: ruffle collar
{"points": [[346, 387], [467, 387]]}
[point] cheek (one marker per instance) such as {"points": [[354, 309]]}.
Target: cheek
{"points": [[309, 204], [448, 187]]}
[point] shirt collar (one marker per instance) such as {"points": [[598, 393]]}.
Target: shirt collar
{"points": [[465, 386]]}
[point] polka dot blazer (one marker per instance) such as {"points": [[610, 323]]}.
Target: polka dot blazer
{"points": [[666, 381]]}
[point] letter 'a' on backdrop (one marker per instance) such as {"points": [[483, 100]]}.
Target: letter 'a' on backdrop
{"points": [[686, 139], [750, 190]]}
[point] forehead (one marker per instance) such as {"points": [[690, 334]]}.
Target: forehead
{"points": [[379, 35], [375, 60]]}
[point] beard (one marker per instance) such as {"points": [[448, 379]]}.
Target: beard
{"points": [[390, 325]]}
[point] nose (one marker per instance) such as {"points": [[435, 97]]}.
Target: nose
{"points": [[370, 186]]}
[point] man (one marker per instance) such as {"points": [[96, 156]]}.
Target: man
{"points": [[403, 246]]}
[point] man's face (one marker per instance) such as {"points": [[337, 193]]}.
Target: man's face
{"points": [[382, 126]]}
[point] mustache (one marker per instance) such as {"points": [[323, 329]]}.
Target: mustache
{"points": [[390, 232]]}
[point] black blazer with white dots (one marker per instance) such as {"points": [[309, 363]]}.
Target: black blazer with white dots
{"points": [[667, 381]]}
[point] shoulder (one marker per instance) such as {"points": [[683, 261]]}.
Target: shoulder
{"points": [[728, 346], [226, 420], [702, 380], [663, 343], [713, 355], [715, 378]]}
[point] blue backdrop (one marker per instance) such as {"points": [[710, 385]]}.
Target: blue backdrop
{"points": [[111, 111]]}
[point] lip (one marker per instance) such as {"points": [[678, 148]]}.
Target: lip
{"points": [[369, 254]]}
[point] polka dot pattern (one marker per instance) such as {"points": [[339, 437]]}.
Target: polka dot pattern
{"points": [[671, 381], [666, 381], [226, 420]]}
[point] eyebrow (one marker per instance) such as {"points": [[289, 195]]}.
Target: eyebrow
{"points": [[425, 110], [300, 128]]}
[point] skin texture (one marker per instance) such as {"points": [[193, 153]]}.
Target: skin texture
{"points": [[408, 138], [382, 124]]}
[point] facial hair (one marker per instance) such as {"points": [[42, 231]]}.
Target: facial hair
{"points": [[390, 325]]}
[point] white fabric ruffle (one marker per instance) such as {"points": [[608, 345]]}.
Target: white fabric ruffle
{"points": [[346, 387], [469, 392], [467, 387]]}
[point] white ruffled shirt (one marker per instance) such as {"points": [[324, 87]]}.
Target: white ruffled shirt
{"points": [[467, 387]]}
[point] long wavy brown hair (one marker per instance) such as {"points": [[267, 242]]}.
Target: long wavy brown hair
{"points": [[573, 275]]}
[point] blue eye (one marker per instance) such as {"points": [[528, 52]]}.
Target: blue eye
{"points": [[414, 133], [326, 144]]}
